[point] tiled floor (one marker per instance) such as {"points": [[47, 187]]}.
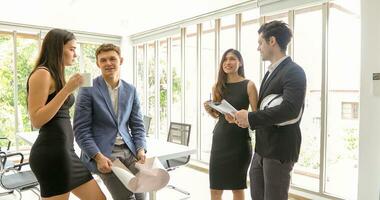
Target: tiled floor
{"points": [[189, 179], [193, 181]]}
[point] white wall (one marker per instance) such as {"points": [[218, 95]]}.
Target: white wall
{"points": [[369, 146]]}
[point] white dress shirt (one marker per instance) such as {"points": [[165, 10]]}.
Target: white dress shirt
{"points": [[114, 95], [273, 66]]}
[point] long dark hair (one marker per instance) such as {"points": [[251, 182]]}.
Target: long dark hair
{"points": [[51, 55], [222, 76]]}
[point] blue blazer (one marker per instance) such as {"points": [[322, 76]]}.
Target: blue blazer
{"points": [[96, 124]]}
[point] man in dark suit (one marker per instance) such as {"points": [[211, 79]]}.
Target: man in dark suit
{"points": [[108, 123], [277, 145]]}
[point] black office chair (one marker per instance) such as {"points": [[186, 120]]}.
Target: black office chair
{"points": [[6, 150], [13, 178], [179, 133], [8, 142]]}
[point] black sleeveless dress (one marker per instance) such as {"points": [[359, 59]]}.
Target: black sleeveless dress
{"points": [[231, 149], [52, 158]]}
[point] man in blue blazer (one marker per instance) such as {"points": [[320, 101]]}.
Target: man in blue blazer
{"points": [[108, 123], [277, 143]]}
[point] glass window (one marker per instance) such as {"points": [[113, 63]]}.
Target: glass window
{"points": [[7, 116], [176, 79], [140, 80], [207, 81], [191, 83], [88, 59], [249, 37], [27, 50], [308, 35], [151, 87], [163, 70], [279, 17], [227, 34], [342, 134], [350, 110]]}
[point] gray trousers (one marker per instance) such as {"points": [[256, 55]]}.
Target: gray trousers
{"points": [[270, 178], [113, 184]]}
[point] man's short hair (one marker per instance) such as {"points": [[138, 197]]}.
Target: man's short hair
{"points": [[107, 47], [279, 30]]}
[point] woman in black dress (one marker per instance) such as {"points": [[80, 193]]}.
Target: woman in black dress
{"points": [[52, 158], [231, 149]]}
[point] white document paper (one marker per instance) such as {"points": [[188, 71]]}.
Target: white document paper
{"points": [[223, 107], [151, 176]]}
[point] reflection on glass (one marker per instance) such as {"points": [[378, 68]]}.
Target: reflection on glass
{"points": [[343, 99], [308, 35]]}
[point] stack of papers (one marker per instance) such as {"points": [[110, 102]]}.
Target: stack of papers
{"points": [[151, 176], [223, 107]]}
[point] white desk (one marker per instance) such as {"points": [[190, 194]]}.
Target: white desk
{"points": [[156, 148], [28, 137]]}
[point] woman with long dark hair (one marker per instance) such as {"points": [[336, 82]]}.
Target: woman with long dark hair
{"points": [[52, 158], [231, 149]]}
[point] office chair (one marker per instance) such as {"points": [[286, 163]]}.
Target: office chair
{"points": [[8, 141], [147, 120], [179, 133], [6, 150], [13, 178]]}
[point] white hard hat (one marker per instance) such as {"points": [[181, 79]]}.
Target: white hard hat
{"points": [[275, 100]]}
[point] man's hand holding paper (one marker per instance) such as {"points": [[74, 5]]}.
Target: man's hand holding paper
{"points": [[151, 176], [242, 118]]}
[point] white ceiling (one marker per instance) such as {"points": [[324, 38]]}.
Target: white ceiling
{"points": [[119, 17]]}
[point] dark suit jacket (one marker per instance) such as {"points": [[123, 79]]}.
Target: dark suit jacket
{"points": [[96, 124], [280, 142]]}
